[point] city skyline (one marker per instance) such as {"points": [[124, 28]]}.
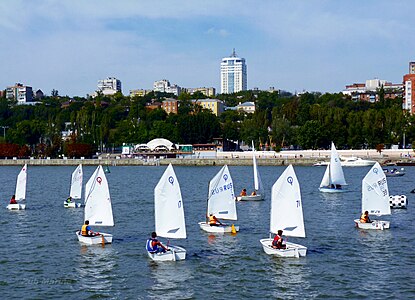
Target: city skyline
{"points": [[315, 46]]}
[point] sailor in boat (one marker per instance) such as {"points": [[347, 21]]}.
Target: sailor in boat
{"points": [[253, 193], [364, 218], [69, 200], [154, 246], [13, 200], [213, 221], [278, 242], [243, 193], [86, 230]]}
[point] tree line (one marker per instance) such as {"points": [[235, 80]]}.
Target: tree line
{"points": [[281, 120]]}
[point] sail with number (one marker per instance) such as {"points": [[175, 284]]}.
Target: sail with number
{"points": [[221, 199], [375, 193], [168, 206], [76, 183], [20, 193], [98, 209], [286, 205]]}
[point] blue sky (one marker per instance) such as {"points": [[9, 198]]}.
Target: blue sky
{"points": [[313, 45]]}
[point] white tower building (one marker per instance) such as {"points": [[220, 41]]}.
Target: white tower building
{"points": [[233, 74], [109, 86]]}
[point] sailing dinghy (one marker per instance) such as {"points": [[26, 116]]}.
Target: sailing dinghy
{"points": [[375, 198], [98, 209], [258, 188], [333, 179], [169, 216], [20, 193], [286, 215], [221, 202], [76, 188]]}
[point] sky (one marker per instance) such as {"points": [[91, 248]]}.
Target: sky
{"points": [[304, 45]]}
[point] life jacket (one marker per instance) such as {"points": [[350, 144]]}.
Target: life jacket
{"points": [[13, 201], [212, 220], [149, 245], [243, 193], [363, 218], [276, 239], [84, 230]]}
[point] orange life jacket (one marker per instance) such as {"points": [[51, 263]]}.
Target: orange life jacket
{"points": [[212, 220], [364, 218], [84, 231]]}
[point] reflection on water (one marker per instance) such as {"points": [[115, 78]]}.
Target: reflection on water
{"points": [[170, 280], [95, 269]]}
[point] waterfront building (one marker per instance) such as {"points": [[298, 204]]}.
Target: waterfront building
{"points": [[21, 93], [164, 86], [369, 91], [409, 93], [233, 74], [208, 92], [109, 86], [216, 106], [170, 106], [139, 93]]}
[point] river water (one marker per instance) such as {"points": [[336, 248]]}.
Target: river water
{"points": [[42, 259]]}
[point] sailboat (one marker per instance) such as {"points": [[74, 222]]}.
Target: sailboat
{"points": [[375, 198], [333, 179], [76, 188], [286, 215], [169, 215], [259, 191], [20, 193], [221, 202], [98, 209]]}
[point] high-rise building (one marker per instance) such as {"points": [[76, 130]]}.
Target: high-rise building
{"points": [[164, 86], [233, 74], [412, 67], [109, 86], [21, 93], [409, 93]]}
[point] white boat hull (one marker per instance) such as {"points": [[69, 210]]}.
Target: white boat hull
{"points": [[16, 206], [258, 197], [331, 190], [72, 204], [376, 224], [217, 229], [292, 250], [174, 253], [105, 238]]}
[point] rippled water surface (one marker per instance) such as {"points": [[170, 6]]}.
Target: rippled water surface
{"points": [[41, 257]]}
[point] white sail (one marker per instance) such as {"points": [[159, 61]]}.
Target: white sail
{"points": [[20, 193], [76, 183], [326, 178], [168, 206], [98, 209], [221, 199], [286, 205], [257, 177], [336, 171], [375, 193]]}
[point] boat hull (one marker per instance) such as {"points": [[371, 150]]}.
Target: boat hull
{"points": [[258, 197], [292, 250], [72, 204], [376, 224], [217, 229], [16, 206], [105, 238], [330, 190], [173, 254]]}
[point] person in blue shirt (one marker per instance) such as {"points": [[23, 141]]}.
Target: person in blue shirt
{"points": [[86, 230], [154, 245]]}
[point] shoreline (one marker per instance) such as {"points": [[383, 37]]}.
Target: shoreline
{"points": [[264, 158]]}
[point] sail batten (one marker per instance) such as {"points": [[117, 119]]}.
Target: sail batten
{"points": [[221, 201], [98, 208], [286, 205], [375, 192], [168, 206]]}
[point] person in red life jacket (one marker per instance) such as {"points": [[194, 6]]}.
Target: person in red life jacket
{"points": [[13, 200], [154, 246], [213, 221], [278, 242], [243, 193], [86, 230]]}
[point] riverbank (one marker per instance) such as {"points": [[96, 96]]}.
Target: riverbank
{"points": [[264, 158]]}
